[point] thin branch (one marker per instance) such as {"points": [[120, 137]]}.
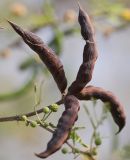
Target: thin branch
{"points": [[48, 129], [90, 117], [30, 114], [81, 152]]}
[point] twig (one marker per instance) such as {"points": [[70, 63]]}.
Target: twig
{"points": [[48, 129], [91, 119], [30, 114], [82, 152]]}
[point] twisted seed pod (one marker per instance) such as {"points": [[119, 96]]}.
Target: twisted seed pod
{"points": [[65, 123], [46, 54], [116, 108], [89, 54]]}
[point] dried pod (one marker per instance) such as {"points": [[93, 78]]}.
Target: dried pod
{"points": [[46, 54], [65, 123], [87, 29], [89, 54], [116, 108]]}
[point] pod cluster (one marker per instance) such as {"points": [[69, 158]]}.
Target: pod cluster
{"points": [[77, 90], [64, 126]]}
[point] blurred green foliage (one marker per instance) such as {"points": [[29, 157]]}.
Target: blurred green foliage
{"points": [[116, 13]]}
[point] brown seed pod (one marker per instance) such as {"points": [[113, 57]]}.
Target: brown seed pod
{"points": [[64, 126], [116, 108], [89, 54], [46, 54]]}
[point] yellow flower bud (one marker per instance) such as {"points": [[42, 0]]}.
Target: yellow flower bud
{"points": [[126, 14]]}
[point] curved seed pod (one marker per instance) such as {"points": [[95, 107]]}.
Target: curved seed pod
{"points": [[46, 54], [65, 123], [116, 108], [89, 54]]}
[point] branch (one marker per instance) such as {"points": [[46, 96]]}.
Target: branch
{"points": [[87, 153], [30, 114]]}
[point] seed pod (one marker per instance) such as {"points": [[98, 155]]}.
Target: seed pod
{"points": [[116, 108], [46, 54], [64, 126], [89, 54]]}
